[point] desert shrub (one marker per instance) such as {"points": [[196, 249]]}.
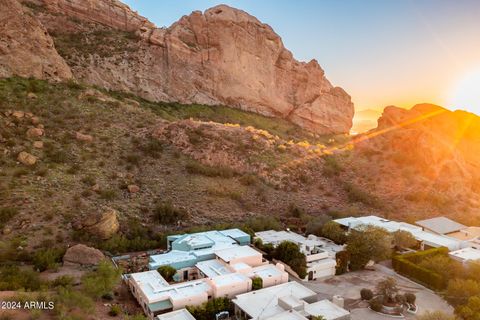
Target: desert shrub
{"points": [[101, 281], [194, 167], [410, 297], [376, 305], [63, 281], [295, 211], [47, 258], [108, 194], [115, 310], [167, 272], [121, 243], [248, 180], [152, 147], [263, 223], [366, 294], [331, 167], [7, 213], [13, 278], [356, 194], [257, 283], [68, 300], [167, 213]]}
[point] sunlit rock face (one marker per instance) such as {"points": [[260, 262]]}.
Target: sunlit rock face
{"points": [[223, 56], [26, 48], [440, 145]]}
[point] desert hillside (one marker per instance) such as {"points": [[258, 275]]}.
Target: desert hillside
{"points": [[116, 138]]}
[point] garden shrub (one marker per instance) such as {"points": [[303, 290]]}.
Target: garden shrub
{"points": [[407, 265], [366, 294]]}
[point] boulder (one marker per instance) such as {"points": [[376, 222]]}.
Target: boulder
{"points": [[35, 120], [103, 225], [38, 144], [26, 158], [82, 255], [31, 95], [83, 137], [35, 132], [18, 114], [132, 188]]}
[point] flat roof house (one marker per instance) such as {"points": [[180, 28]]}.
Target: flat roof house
{"points": [[465, 255], [186, 250], [440, 225], [288, 301], [181, 314], [426, 239], [319, 252], [227, 273]]}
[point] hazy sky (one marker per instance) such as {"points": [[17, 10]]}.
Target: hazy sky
{"points": [[381, 52]]}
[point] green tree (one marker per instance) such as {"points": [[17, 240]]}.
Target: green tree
{"points": [[404, 239], [318, 318], [471, 310], [101, 281], [368, 243], [343, 259], [334, 232], [388, 289], [257, 283], [289, 253], [460, 290], [167, 272], [209, 309], [435, 315]]}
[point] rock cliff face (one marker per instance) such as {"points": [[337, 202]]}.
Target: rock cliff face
{"points": [[222, 56], [26, 48], [111, 13]]}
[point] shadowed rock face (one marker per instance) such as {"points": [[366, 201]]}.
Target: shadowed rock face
{"points": [[26, 48], [222, 56]]}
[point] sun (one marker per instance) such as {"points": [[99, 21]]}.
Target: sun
{"points": [[466, 93]]}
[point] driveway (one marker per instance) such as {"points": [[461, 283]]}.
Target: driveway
{"points": [[349, 285]]}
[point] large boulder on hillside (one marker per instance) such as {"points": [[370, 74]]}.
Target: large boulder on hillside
{"points": [[82, 255], [103, 225]]}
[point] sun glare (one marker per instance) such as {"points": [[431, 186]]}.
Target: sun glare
{"points": [[466, 93]]}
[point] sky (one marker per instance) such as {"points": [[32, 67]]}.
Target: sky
{"points": [[381, 52]]}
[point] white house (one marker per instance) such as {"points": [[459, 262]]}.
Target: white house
{"points": [[319, 252], [288, 301]]}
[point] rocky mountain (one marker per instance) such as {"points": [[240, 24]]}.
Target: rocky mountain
{"points": [[426, 154], [223, 56]]}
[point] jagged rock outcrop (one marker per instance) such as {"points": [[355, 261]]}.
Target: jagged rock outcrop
{"points": [[112, 13], [26, 48], [222, 56]]}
